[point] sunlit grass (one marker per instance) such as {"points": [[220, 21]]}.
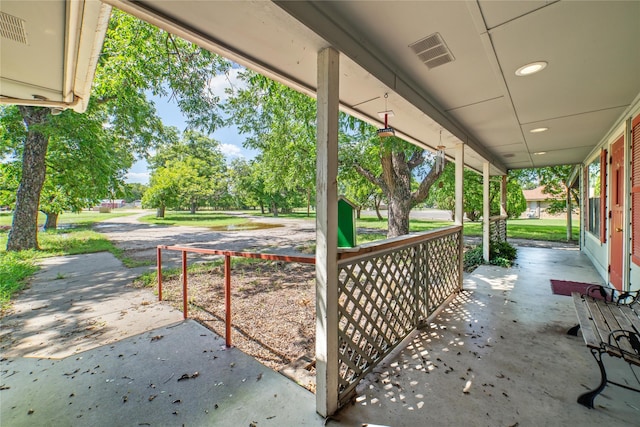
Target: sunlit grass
{"points": [[79, 219]]}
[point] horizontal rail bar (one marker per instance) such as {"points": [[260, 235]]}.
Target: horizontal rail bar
{"points": [[271, 257], [497, 217], [396, 242]]}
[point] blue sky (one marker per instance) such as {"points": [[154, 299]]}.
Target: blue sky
{"points": [[229, 137]]}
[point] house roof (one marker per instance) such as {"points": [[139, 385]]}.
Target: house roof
{"points": [[467, 87], [537, 194], [49, 51]]}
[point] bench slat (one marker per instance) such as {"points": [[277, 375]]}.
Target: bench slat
{"points": [[616, 320], [600, 325], [586, 324]]}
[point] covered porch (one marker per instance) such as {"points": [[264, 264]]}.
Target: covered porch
{"points": [[505, 322], [502, 340]]}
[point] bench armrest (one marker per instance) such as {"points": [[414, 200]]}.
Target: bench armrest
{"points": [[613, 295], [626, 342]]}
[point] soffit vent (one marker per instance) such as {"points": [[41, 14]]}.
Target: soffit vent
{"points": [[432, 51], [12, 28]]}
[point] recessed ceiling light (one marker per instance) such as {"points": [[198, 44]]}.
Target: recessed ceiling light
{"points": [[538, 130], [531, 68], [539, 153]]}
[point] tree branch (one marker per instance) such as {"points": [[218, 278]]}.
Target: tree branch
{"points": [[423, 189], [416, 159], [369, 176]]}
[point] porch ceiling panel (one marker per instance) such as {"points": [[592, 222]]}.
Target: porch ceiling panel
{"points": [[561, 156], [570, 131], [593, 55]]}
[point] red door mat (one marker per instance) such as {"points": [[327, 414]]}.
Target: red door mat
{"points": [[565, 287]]}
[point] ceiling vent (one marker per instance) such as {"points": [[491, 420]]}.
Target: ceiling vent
{"points": [[12, 28], [432, 51]]}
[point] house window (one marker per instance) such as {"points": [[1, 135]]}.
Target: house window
{"points": [[596, 196], [593, 196]]}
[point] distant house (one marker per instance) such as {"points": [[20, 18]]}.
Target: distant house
{"points": [[538, 202], [112, 204]]}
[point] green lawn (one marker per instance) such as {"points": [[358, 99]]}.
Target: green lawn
{"points": [[82, 218]]}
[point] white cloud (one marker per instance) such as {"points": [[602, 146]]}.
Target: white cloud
{"points": [[139, 177], [219, 83], [230, 150]]}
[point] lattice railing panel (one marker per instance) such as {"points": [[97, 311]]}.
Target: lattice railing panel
{"points": [[384, 296], [498, 229], [443, 270]]}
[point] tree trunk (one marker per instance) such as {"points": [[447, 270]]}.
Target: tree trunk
{"points": [[262, 208], [308, 203], [377, 205], [358, 210], [24, 229], [398, 215], [274, 209], [193, 208], [160, 211], [52, 221]]}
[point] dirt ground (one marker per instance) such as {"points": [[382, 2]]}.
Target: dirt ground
{"points": [[272, 304]]}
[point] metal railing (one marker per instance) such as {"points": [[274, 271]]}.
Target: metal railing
{"points": [[227, 274], [498, 228], [385, 291]]}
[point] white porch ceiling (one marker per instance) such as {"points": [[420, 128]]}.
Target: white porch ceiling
{"points": [[591, 47]]}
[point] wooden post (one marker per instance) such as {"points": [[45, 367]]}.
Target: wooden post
{"points": [[485, 210], [459, 209], [569, 225], [327, 233]]}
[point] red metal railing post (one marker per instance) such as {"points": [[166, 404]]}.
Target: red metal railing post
{"points": [[159, 271], [227, 299], [184, 283]]}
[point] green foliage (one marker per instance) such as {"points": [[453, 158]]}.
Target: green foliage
{"points": [[500, 253], [281, 123], [187, 172], [443, 194], [554, 180]]}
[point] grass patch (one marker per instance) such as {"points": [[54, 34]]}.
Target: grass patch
{"points": [[80, 219], [199, 219], [15, 268]]}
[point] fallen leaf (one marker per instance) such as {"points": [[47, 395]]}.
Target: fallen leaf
{"points": [[188, 377], [157, 338], [259, 377], [153, 396]]}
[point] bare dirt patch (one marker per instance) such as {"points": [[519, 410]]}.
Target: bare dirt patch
{"points": [[272, 303]]}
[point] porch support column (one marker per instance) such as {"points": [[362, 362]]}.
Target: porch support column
{"points": [[569, 208], [459, 211], [503, 196], [327, 233], [485, 211]]}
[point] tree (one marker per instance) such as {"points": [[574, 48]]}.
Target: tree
{"points": [[202, 166], [400, 164], [281, 123], [133, 191], [443, 195], [136, 58], [163, 190]]}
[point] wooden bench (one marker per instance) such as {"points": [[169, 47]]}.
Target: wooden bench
{"points": [[609, 328]]}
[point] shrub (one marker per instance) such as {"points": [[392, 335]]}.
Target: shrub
{"points": [[500, 253]]}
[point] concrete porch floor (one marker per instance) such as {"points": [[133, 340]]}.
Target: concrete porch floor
{"points": [[504, 338]]}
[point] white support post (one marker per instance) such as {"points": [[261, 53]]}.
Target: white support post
{"points": [[485, 210], [459, 211], [327, 233], [503, 196]]}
